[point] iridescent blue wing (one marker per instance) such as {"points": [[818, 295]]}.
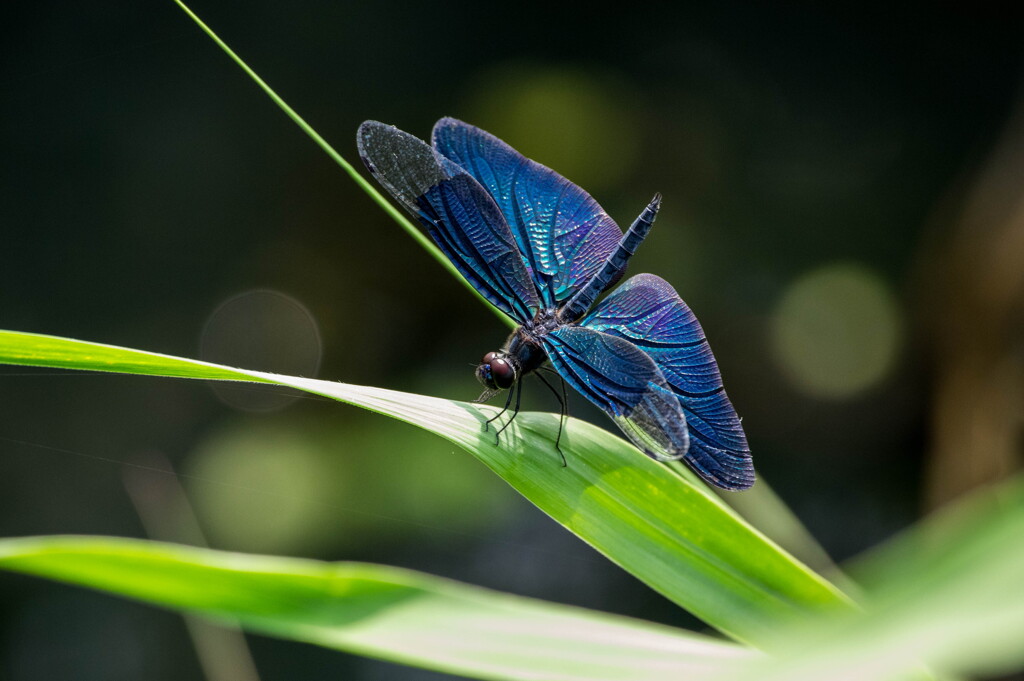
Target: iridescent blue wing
{"points": [[648, 313], [563, 234], [623, 381], [460, 216]]}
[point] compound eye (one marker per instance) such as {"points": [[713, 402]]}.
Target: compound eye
{"points": [[502, 372], [489, 357]]}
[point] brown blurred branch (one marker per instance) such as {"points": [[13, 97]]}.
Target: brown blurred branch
{"points": [[973, 296], [167, 515]]}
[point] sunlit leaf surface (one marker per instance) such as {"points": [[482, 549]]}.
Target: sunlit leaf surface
{"points": [[672, 534], [949, 594], [384, 612]]}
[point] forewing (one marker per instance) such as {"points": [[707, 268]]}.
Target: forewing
{"points": [[563, 234], [458, 213], [623, 381], [648, 313]]}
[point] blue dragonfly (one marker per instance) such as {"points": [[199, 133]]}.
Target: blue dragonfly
{"points": [[542, 251]]}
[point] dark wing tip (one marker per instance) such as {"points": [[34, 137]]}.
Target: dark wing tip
{"points": [[743, 480], [450, 123], [445, 122], [734, 476], [404, 164], [364, 135], [367, 127]]}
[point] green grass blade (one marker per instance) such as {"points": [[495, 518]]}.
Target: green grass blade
{"points": [[395, 214], [765, 510], [672, 534], [383, 612], [949, 594]]}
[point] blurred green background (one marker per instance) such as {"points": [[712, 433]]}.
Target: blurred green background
{"points": [[842, 211]]}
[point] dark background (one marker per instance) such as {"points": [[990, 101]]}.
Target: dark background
{"points": [[841, 211]]}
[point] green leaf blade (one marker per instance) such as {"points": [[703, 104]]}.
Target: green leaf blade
{"points": [[33, 349], [672, 534], [384, 612], [948, 593]]}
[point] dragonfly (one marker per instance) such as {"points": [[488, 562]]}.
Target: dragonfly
{"points": [[542, 251]]}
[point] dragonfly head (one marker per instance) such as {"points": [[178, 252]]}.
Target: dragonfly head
{"points": [[497, 371]]}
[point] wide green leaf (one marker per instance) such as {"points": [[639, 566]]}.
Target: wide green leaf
{"points": [[669, 532], [949, 594], [379, 611]]}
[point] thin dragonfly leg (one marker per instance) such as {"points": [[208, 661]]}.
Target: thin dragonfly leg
{"points": [[565, 416], [562, 402], [515, 412], [562, 416], [487, 423]]}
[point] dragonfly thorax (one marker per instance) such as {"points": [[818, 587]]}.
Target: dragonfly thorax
{"points": [[543, 322]]}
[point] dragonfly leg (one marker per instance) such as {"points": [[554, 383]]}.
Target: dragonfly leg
{"points": [[563, 401], [518, 387], [487, 423]]}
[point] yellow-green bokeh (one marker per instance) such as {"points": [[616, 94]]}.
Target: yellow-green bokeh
{"points": [[314, 487], [574, 121], [837, 331], [259, 487]]}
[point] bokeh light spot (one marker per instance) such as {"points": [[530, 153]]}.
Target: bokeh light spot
{"points": [[265, 330], [313, 486], [568, 119], [261, 489], [837, 331]]}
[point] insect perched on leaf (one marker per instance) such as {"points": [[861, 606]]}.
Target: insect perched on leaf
{"points": [[541, 250]]}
